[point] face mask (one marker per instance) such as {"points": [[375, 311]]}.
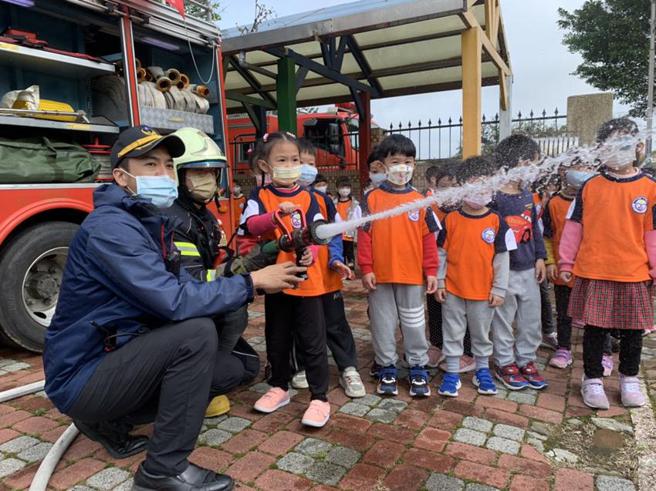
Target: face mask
{"points": [[321, 189], [377, 178], [400, 174], [308, 174], [161, 191], [576, 178], [344, 192], [619, 153], [203, 187], [236, 191], [266, 179], [286, 175]]}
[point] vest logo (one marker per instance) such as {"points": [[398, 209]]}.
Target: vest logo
{"points": [[296, 220], [489, 235], [413, 215], [640, 204]]}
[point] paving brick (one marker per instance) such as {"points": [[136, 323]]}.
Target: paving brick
{"points": [[211, 458], [381, 415], [477, 424], [495, 403], [81, 447], [346, 457], [52, 435], [350, 423], [214, 437], [614, 483], [510, 432], [393, 433], [528, 483], [462, 407], [525, 466], [395, 405], [445, 419], [522, 398], [550, 401], [354, 409], [296, 463], [369, 400], [482, 473], [35, 425], [429, 460], [358, 441], [441, 482], [272, 422], [542, 414], [529, 452], [325, 473], [244, 441], [573, 480], [362, 477], [35, 453], [275, 480], [108, 478], [412, 419], [432, 439], [503, 445], [472, 486], [18, 444], [66, 477], [234, 425], [280, 442], [7, 434], [314, 447], [250, 466], [470, 452], [12, 418], [471, 437], [405, 478], [23, 478], [504, 417], [10, 465], [384, 453]]}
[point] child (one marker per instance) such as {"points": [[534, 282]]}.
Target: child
{"points": [[321, 184], [338, 331], [348, 209], [609, 245], [472, 278], [514, 354], [376, 171], [442, 177], [297, 312], [554, 222], [396, 254]]}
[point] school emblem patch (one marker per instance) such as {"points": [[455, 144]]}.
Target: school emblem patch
{"points": [[413, 215], [488, 235], [296, 220], [639, 205]]}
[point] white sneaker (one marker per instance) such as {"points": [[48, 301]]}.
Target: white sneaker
{"points": [[352, 383], [299, 380]]}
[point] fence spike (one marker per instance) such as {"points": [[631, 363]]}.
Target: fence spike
{"points": [[496, 118], [400, 125], [484, 118], [544, 113], [460, 120], [439, 121], [391, 126], [419, 123], [409, 124], [449, 119], [519, 115], [429, 122], [531, 113], [556, 112]]}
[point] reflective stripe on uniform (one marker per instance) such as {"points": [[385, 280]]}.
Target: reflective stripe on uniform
{"points": [[187, 249], [211, 275]]}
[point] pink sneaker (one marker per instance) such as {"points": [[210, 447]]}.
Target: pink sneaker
{"points": [[435, 356], [317, 414], [561, 359], [631, 393], [274, 399], [592, 391], [467, 364], [607, 363]]}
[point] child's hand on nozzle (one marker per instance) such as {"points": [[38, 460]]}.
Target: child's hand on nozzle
{"points": [[540, 270], [344, 271], [287, 207], [369, 281], [307, 258], [566, 276], [552, 273], [495, 301], [440, 295], [431, 284]]}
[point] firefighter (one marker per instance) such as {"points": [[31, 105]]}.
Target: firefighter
{"points": [[132, 339]]}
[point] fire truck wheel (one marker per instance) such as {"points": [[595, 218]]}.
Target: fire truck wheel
{"points": [[31, 270]]}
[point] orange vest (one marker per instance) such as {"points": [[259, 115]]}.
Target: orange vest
{"points": [[556, 213], [332, 281], [343, 208], [237, 209]]}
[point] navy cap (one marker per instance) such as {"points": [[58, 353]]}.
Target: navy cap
{"points": [[139, 140]]}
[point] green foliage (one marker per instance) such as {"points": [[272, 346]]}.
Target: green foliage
{"points": [[201, 12], [612, 36]]}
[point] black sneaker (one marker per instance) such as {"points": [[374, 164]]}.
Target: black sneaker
{"points": [[193, 477], [419, 382], [374, 371], [115, 438], [387, 381]]}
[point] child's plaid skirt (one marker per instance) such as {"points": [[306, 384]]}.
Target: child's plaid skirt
{"points": [[611, 304]]}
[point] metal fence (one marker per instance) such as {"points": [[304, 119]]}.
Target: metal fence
{"points": [[443, 139]]}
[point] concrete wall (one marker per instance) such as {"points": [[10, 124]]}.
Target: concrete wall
{"points": [[585, 113]]}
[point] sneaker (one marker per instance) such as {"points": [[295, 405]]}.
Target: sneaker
{"points": [[631, 392], [561, 359], [533, 377], [387, 383], [374, 370], [450, 385], [317, 414], [510, 377], [299, 380], [274, 399], [218, 406], [419, 382], [467, 364], [592, 391], [550, 341], [483, 380], [352, 383], [435, 357], [649, 330], [607, 363]]}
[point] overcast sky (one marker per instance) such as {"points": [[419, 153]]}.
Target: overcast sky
{"points": [[542, 66]]}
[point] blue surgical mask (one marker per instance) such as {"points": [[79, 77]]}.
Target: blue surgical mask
{"points": [[576, 178], [308, 174], [161, 191], [377, 178]]}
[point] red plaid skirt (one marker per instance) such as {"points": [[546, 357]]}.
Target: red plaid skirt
{"points": [[611, 304]]}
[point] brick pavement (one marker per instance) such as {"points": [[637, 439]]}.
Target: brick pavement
{"points": [[510, 441]]}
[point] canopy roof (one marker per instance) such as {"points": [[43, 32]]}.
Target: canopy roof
{"points": [[386, 47]]}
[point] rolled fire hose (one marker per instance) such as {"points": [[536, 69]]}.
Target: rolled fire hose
{"points": [[161, 80], [141, 75], [202, 104], [200, 90], [184, 79], [173, 74], [52, 458]]}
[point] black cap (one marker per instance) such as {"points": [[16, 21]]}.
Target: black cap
{"points": [[139, 140]]}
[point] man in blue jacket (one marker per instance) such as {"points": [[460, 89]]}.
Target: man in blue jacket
{"points": [[132, 340]]}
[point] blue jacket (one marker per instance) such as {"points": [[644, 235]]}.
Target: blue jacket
{"points": [[122, 278]]}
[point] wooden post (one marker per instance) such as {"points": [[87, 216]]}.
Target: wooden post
{"points": [[471, 91], [364, 130], [286, 95]]}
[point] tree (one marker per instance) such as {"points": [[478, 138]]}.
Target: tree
{"points": [[201, 12], [612, 36]]}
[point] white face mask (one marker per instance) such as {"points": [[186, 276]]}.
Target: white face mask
{"points": [[377, 178], [321, 189], [400, 174], [344, 192], [286, 175]]}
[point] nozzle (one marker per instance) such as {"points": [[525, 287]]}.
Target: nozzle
{"points": [[200, 90], [314, 238]]}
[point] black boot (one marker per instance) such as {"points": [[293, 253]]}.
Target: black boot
{"points": [[115, 438], [193, 478]]}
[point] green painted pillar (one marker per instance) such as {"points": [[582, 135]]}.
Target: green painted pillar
{"points": [[286, 95]]}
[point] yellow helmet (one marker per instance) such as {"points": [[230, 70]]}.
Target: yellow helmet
{"points": [[201, 152]]}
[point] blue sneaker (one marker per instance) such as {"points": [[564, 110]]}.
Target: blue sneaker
{"points": [[419, 382], [450, 385], [483, 380], [387, 383], [511, 377]]}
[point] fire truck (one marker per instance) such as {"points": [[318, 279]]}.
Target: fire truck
{"points": [[106, 64]]}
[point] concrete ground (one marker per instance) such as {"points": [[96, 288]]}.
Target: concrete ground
{"points": [[519, 441]]}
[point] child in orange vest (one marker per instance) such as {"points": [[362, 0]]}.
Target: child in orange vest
{"points": [[348, 209]]}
